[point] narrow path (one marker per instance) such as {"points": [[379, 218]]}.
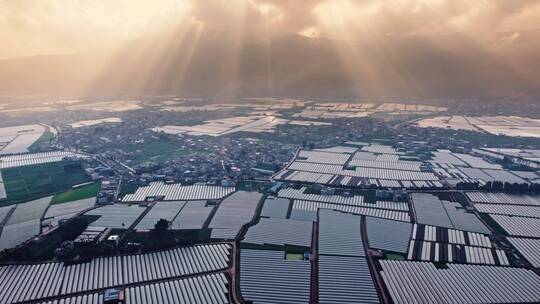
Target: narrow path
{"points": [[379, 284], [234, 274], [314, 265]]}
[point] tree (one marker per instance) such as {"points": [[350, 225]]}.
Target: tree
{"points": [[160, 229], [65, 251], [159, 237], [497, 185], [73, 228]]}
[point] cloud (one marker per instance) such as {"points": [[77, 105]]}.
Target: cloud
{"points": [[434, 17], [32, 27]]}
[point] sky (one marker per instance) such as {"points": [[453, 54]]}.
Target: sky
{"points": [[36, 27], [369, 48]]}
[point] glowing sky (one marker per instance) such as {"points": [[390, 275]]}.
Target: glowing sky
{"points": [[368, 48], [33, 27]]}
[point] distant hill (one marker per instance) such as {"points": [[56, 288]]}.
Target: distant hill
{"points": [[388, 67]]}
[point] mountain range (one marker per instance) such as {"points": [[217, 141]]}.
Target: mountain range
{"points": [[385, 67]]}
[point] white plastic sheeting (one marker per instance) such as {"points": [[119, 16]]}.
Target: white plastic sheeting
{"points": [[529, 248], [29, 211], [376, 148], [205, 289], [267, 277], [430, 210], [96, 274], [193, 216], [292, 193], [345, 280], [503, 198], [275, 207], [452, 253], [322, 157], [32, 282], [422, 282], [388, 235], [29, 159], [525, 211], [19, 138], [29, 282], [280, 232], [356, 200], [177, 192], [450, 236], [518, 226], [119, 216], [307, 211], [5, 211], [394, 165], [339, 234], [15, 234], [363, 172], [3, 193], [24, 223], [176, 262], [161, 210], [463, 220], [234, 212], [339, 149], [57, 212], [129, 269]]}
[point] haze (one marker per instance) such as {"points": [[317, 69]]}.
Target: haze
{"points": [[366, 49]]}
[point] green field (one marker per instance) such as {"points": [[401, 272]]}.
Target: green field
{"points": [[80, 193], [128, 189], [158, 151], [42, 144], [294, 256], [32, 182], [394, 257]]}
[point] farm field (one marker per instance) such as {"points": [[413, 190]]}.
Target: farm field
{"points": [[88, 123], [31, 182], [83, 192], [153, 151], [498, 125], [42, 142], [18, 139], [108, 106]]}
